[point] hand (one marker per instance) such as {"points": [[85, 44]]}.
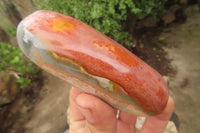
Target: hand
{"points": [[89, 114]]}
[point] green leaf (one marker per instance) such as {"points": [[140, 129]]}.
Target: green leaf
{"points": [[23, 82], [11, 31], [11, 60], [2, 66]]}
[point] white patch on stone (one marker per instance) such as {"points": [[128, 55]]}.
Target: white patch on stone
{"points": [[28, 36], [103, 82]]}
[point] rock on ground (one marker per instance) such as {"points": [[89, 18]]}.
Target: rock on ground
{"points": [[8, 88]]}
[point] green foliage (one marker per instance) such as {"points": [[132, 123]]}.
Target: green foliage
{"points": [[23, 82], [11, 60], [107, 16], [155, 8], [11, 32]]}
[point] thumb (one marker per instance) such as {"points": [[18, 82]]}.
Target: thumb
{"points": [[99, 116]]}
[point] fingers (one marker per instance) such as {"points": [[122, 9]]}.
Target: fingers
{"points": [[126, 123], [99, 115], [157, 124], [127, 118], [91, 112]]}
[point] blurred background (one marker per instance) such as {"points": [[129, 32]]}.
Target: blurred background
{"points": [[165, 34]]}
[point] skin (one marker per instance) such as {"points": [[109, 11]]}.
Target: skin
{"points": [[89, 114]]}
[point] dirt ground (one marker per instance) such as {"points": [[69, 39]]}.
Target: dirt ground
{"points": [[184, 50], [50, 114]]}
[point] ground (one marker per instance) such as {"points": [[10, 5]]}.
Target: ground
{"points": [[184, 50], [50, 114], [173, 51]]}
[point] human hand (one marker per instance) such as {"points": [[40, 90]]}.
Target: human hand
{"points": [[89, 114]]}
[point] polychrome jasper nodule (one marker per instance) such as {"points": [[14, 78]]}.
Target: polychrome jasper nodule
{"points": [[90, 61]]}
